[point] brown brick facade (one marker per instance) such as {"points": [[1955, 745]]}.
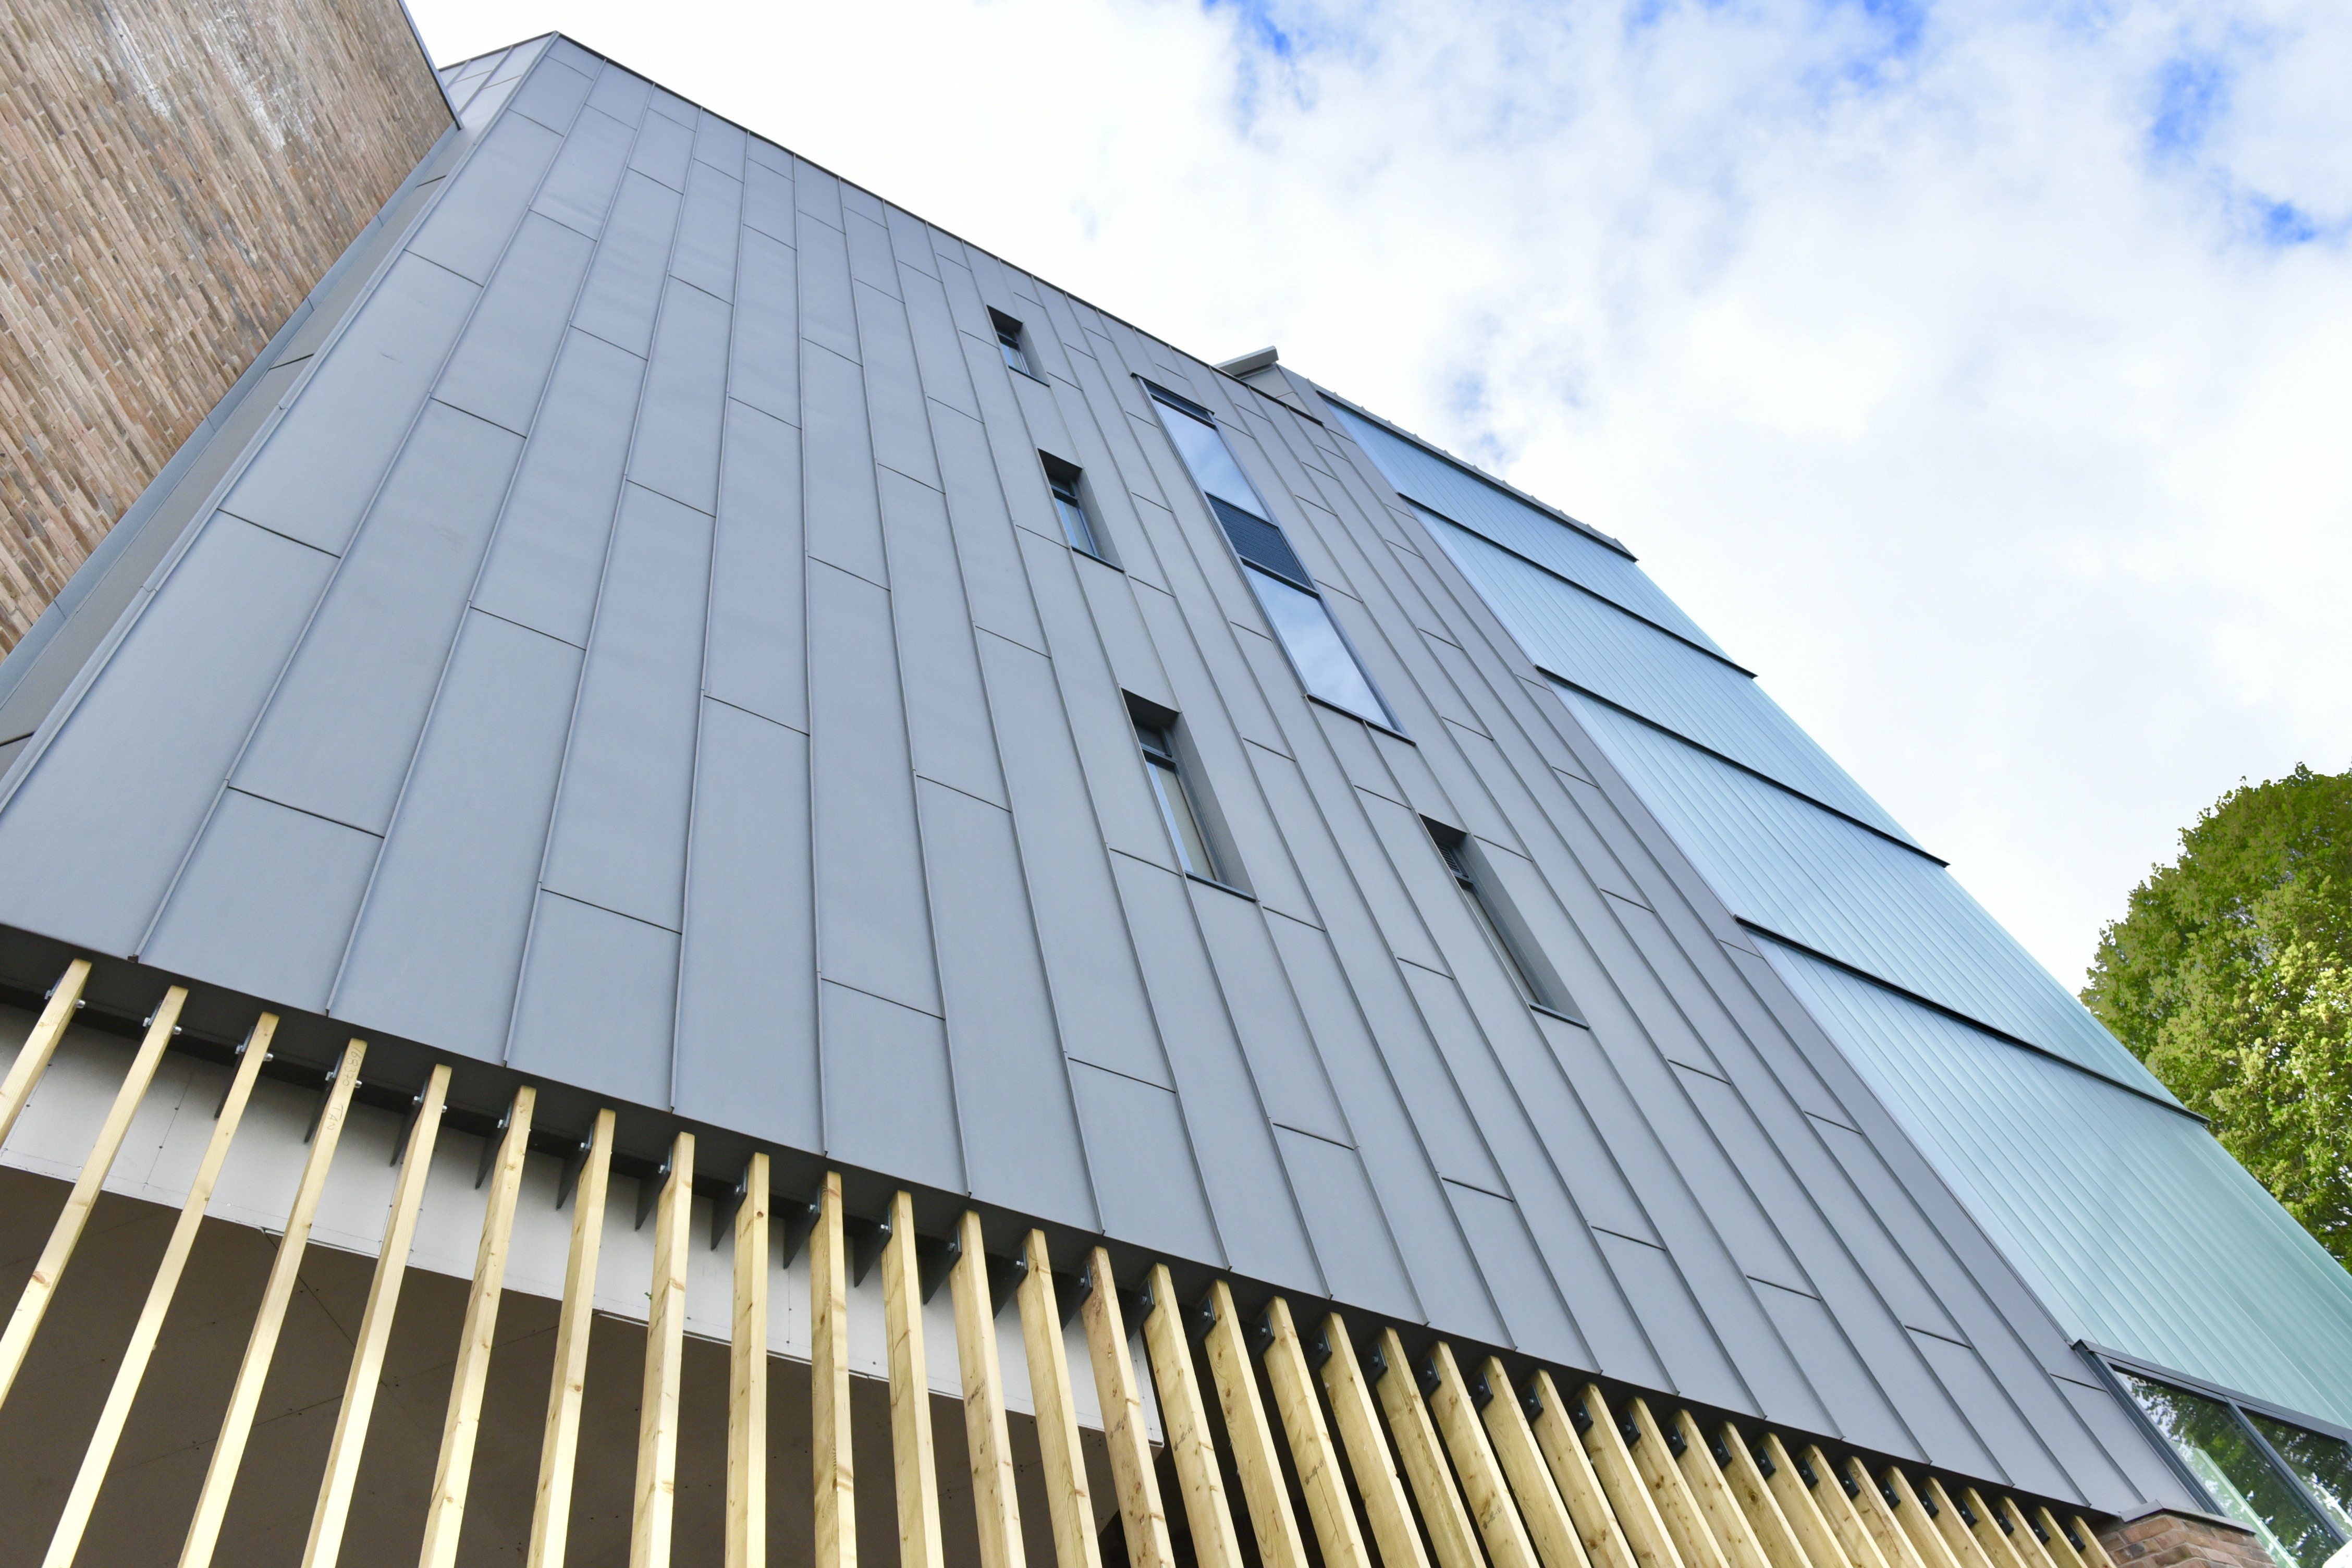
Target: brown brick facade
{"points": [[173, 179], [2165, 1540]]}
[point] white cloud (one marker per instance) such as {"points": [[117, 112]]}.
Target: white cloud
{"points": [[1945, 361]]}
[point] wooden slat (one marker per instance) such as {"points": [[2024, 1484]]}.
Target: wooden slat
{"points": [[1140, 1510], [343, 1453], [657, 1488], [747, 1381], [559, 1449], [64, 1541], [1894, 1542], [1627, 1489], [1604, 1540], [1250, 1436], [2094, 1551], [830, 1457], [1800, 1506], [1357, 1416], [1184, 1421], [1453, 1538], [2028, 1545], [1541, 1505], [2061, 1550], [1721, 1510], [995, 1499], [245, 1396], [461, 1423], [1068, 1497], [1999, 1547], [1677, 1508], [913, 1461], [1843, 1518], [32, 1058], [1311, 1454], [1483, 1484], [42, 1287], [1920, 1530], [1785, 1544], [1956, 1536]]}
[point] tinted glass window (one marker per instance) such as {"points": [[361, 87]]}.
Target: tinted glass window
{"points": [[1008, 342], [1325, 664], [2223, 1453], [1075, 524], [1176, 803], [1480, 912], [2322, 1463], [1204, 451], [1260, 543]]}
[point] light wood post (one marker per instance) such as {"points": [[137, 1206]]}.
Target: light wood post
{"points": [[334, 1505], [1184, 1417], [1628, 1489], [1894, 1543], [1966, 1550], [1320, 1477], [830, 1457], [1251, 1437], [1540, 1504], [559, 1449], [912, 1458], [1483, 1484], [1997, 1544], [42, 1287], [1356, 1414], [2094, 1551], [1677, 1509], [1844, 1519], [747, 1381], [2029, 1544], [245, 1397], [1785, 1546], [1067, 1495], [1721, 1510], [25, 1072], [1452, 1537], [445, 1514], [657, 1488], [1801, 1507], [2061, 1550], [66, 1540], [1910, 1514], [1605, 1543], [1140, 1510], [994, 1499]]}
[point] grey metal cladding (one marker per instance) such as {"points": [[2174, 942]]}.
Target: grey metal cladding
{"points": [[318, 468], [1289, 1074], [1695, 1362], [817, 193], [893, 390], [874, 927], [597, 1003], [1359, 1260], [947, 704], [706, 231], [625, 285], [503, 359], [764, 369], [719, 144], [339, 730], [676, 449], [440, 941], [756, 656], [265, 901], [1152, 1196], [469, 224], [828, 314], [619, 838], [621, 95], [768, 201], [1020, 1124], [549, 554], [663, 149], [578, 190], [94, 831], [552, 94], [1525, 1290], [870, 261], [889, 1091], [845, 513], [747, 1055]]}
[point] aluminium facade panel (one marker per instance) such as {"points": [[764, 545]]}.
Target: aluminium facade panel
{"points": [[776, 771]]}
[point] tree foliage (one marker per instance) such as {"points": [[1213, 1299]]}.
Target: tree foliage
{"points": [[2231, 976]]}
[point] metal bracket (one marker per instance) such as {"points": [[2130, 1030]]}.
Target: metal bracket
{"points": [[491, 1145], [575, 1160], [794, 1225], [867, 1239], [722, 1212], [2035, 1525], [934, 1261], [1894, 1499], [1805, 1472], [1927, 1502], [1426, 1374], [408, 1123], [1676, 1444], [1205, 1315], [1580, 1417], [1262, 1332], [1070, 1290], [1629, 1430], [1715, 1446], [1968, 1516], [1317, 1345], [1376, 1361], [326, 1091], [649, 1191], [1530, 1402], [2001, 1519], [238, 1061], [1004, 1277], [1481, 1395], [2073, 1540], [1764, 1464], [1846, 1481]]}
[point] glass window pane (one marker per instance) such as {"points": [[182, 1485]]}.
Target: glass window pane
{"points": [[1075, 525], [1191, 845], [1325, 663], [2322, 1463], [1213, 468], [2244, 1482]]}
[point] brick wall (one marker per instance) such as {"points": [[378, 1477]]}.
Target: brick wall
{"points": [[175, 176], [2166, 1540]]}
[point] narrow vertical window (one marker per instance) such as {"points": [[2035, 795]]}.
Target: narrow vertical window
{"points": [[1066, 485], [1159, 760], [1494, 919], [1008, 341]]}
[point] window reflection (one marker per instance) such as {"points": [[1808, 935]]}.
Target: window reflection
{"points": [[2322, 1463], [2222, 1452]]}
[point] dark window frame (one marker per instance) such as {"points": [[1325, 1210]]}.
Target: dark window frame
{"points": [[1164, 748], [1012, 343], [1066, 485]]}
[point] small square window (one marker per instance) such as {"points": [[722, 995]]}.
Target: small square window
{"points": [[1066, 483], [1009, 342]]}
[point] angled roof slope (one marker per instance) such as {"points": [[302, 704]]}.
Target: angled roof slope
{"points": [[637, 650]]}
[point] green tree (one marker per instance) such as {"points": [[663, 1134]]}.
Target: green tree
{"points": [[2231, 976]]}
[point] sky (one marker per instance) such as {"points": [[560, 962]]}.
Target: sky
{"points": [[1978, 374]]}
